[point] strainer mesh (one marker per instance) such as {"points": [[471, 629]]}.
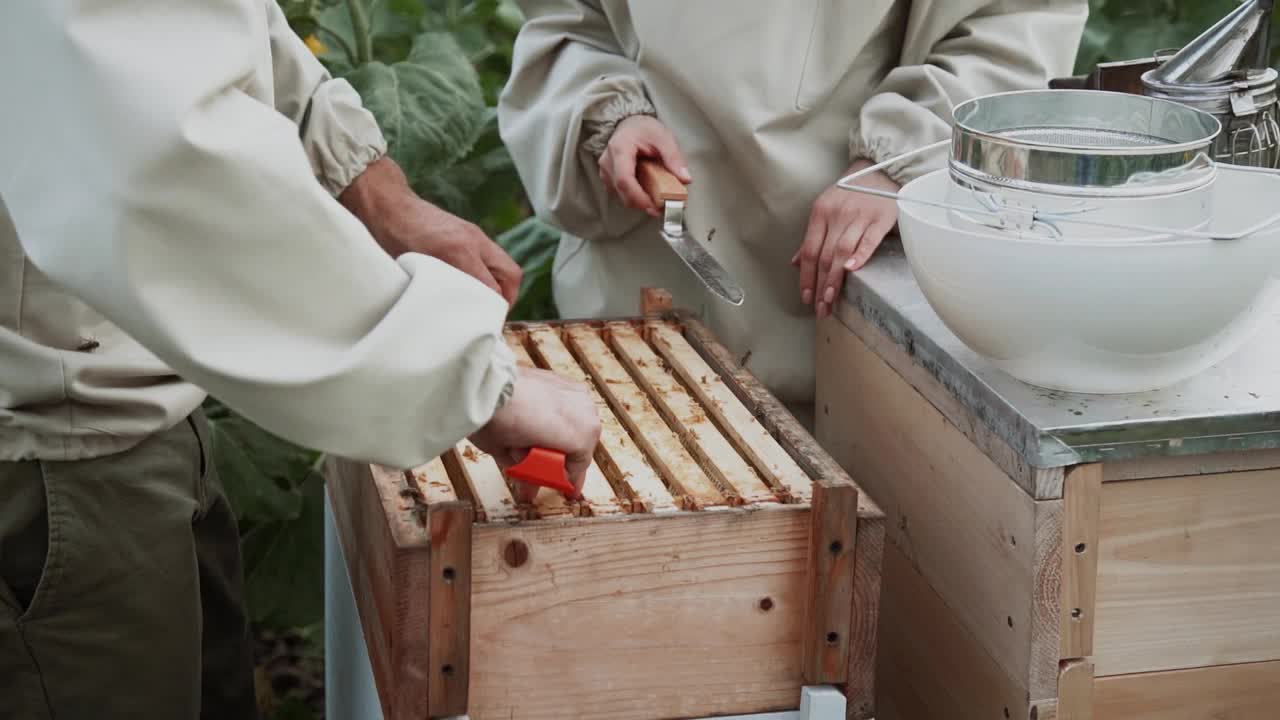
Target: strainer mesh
{"points": [[1063, 136]]}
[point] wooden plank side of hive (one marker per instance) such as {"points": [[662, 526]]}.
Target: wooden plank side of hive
{"points": [[975, 535], [825, 474], [376, 515], [406, 540], [641, 616], [1188, 572]]}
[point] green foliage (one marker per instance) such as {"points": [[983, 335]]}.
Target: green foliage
{"points": [[1127, 29], [277, 492], [429, 105], [432, 77], [532, 244]]}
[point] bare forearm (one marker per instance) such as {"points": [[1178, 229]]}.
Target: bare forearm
{"points": [[401, 222], [379, 197]]}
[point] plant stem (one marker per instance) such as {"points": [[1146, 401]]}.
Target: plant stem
{"points": [[339, 42], [360, 25]]}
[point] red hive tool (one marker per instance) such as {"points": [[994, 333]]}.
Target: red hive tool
{"points": [[544, 468]]}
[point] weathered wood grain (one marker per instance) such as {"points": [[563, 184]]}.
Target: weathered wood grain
{"points": [[597, 493], [732, 416], [634, 408], [433, 481], [640, 617], [379, 535], [736, 479], [968, 528], [833, 524], [618, 456], [449, 609], [486, 486]]}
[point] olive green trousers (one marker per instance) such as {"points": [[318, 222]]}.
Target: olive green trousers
{"points": [[121, 590]]}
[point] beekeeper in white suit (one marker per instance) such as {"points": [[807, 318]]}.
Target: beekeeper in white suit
{"points": [[763, 105], [173, 177]]}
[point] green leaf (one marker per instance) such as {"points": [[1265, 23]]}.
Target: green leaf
{"points": [[532, 244], [392, 27], [430, 106], [293, 708], [257, 469], [284, 564], [475, 42], [408, 8]]}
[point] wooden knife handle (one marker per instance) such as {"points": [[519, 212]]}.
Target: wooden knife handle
{"points": [[659, 182]]}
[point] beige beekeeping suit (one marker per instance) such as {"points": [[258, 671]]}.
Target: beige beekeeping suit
{"points": [[168, 171], [770, 101]]}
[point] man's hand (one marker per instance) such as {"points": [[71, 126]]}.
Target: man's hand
{"points": [[845, 228], [544, 411], [636, 137], [402, 222]]}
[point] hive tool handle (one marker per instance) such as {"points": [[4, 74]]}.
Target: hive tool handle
{"points": [[545, 468]]}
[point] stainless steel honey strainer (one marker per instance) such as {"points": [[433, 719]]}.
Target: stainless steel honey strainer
{"points": [[1098, 148]]}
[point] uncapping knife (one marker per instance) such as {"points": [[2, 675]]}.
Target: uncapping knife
{"points": [[670, 194]]}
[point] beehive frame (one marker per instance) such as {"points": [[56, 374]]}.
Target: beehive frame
{"points": [[718, 561]]}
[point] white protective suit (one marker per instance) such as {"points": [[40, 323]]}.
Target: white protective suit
{"points": [[770, 101], [169, 171]]}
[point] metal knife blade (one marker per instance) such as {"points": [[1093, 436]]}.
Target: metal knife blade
{"points": [[669, 193], [689, 250]]}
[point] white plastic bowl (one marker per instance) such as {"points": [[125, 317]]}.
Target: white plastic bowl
{"points": [[1098, 315]]}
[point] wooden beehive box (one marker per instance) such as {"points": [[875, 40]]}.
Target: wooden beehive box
{"points": [[1136, 589], [719, 560]]}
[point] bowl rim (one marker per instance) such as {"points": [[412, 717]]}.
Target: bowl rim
{"points": [[906, 207]]}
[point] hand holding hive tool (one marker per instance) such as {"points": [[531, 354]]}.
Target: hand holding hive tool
{"points": [[670, 194], [544, 468]]}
